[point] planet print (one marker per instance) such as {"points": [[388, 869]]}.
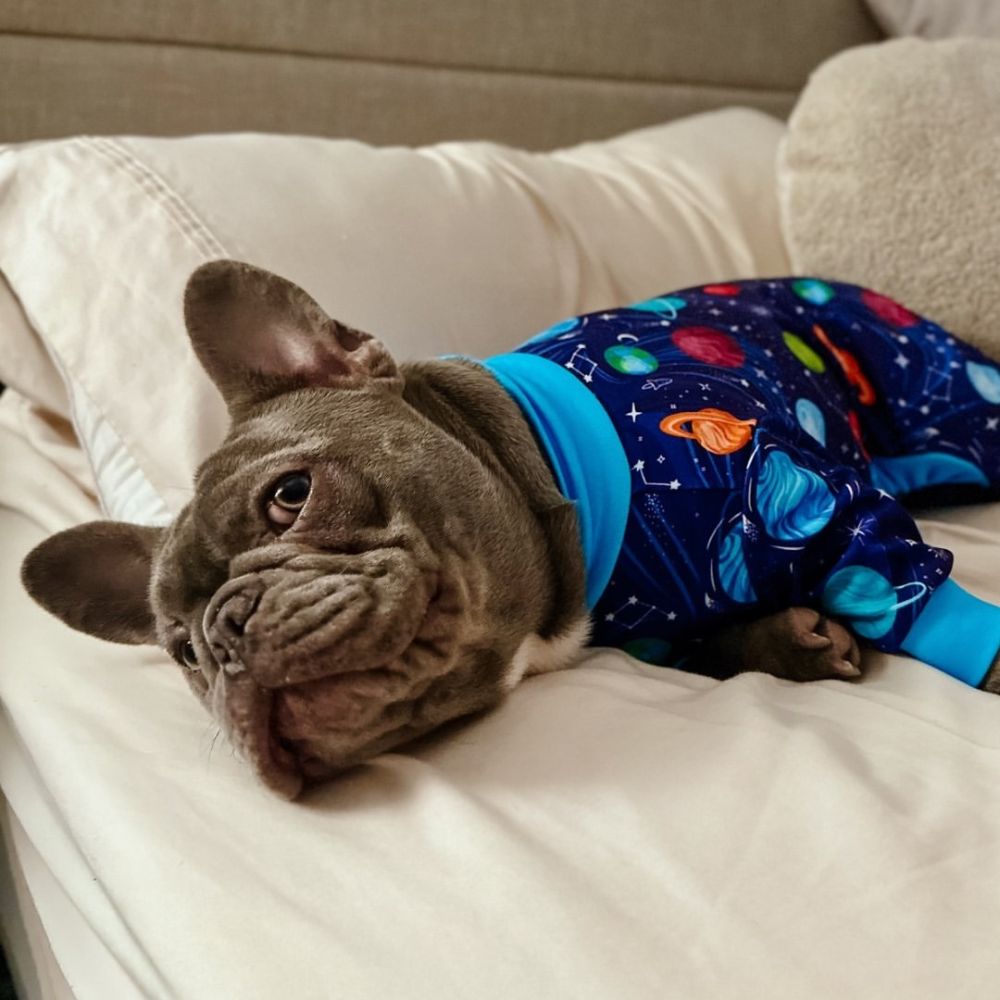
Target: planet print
{"points": [[711, 346], [554, 331], [734, 576], [649, 649], [811, 419], [855, 425], [867, 599], [888, 309], [849, 366], [804, 352], [715, 430], [667, 304], [631, 360], [812, 290], [793, 503], [985, 380], [721, 289]]}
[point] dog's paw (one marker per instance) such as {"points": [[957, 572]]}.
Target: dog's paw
{"points": [[801, 644]]}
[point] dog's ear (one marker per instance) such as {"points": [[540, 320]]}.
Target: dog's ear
{"points": [[95, 577], [258, 335]]}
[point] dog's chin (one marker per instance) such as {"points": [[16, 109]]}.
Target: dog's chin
{"points": [[299, 734]]}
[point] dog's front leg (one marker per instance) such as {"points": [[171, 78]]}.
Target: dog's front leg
{"points": [[797, 644]]}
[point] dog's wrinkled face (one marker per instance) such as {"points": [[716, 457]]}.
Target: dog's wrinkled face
{"points": [[343, 580]]}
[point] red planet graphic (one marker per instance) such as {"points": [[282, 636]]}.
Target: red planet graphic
{"points": [[711, 346], [887, 309], [721, 289]]}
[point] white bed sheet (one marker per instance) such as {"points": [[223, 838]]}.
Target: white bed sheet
{"points": [[614, 830]]}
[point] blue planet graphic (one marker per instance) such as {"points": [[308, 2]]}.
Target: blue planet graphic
{"points": [[867, 599], [985, 380], [812, 290], [733, 573], [793, 502], [666, 304], [631, 360], [811, 419], [554, 331], [649, 649]]}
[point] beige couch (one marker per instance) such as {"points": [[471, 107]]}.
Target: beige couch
{"points": [[534, 73]]}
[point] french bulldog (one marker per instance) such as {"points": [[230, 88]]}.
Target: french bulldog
{"points": [[374, 550]]}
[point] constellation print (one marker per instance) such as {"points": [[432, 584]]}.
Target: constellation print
{"points": [[937, 385], [640, 467], [580, 354], [634, 612]]}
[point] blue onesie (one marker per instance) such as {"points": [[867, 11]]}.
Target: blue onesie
{"points": [[738, 448]]}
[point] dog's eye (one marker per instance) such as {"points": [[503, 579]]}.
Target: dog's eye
{"points": [[188, 654], [287, 498]]}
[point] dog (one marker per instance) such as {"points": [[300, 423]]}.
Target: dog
{"points": [[377, 549]]}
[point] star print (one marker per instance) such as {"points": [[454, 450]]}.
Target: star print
{"points": [[610, 616], [674, 484], [715, 312], [925, 410], [661, 459], [902, 361], [992, 423], [744, 383], [885, 496], [633, 599], [639, 466], [911, 542], [703, 386], [760, 373], [931, 432], [734, 329], [607, 316], [671, 616], [769, 353], [634, 413]]}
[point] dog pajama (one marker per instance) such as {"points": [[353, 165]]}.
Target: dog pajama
{"points": [[738, 448]]}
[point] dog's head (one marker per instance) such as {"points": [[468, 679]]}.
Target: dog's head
{"points": [[349, 574]]}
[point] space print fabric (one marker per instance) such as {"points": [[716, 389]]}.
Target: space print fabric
{"points": [[768, 426]]}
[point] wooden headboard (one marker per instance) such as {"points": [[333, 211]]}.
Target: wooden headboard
{"points": [[535, 73]]}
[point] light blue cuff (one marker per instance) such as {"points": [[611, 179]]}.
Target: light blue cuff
{"points": [[957, 633]]}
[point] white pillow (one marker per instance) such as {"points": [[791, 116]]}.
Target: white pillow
{"points": [[466, 247]]}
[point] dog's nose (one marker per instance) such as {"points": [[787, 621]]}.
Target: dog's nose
{"points": [[225, 625], [233, 615]]}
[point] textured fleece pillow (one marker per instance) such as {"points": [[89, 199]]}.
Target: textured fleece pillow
{"points": [[889, 176], [460, 247]]}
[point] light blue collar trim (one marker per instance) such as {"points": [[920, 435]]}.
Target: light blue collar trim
{"points": [[584, 450]]}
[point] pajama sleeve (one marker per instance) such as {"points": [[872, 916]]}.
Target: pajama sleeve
{"points": [[822, 536]]}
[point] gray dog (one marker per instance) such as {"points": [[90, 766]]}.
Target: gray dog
{"points": [[374, 549]]}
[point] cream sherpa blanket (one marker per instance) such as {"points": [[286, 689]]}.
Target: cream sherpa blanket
{"points": [[890, 177]]}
